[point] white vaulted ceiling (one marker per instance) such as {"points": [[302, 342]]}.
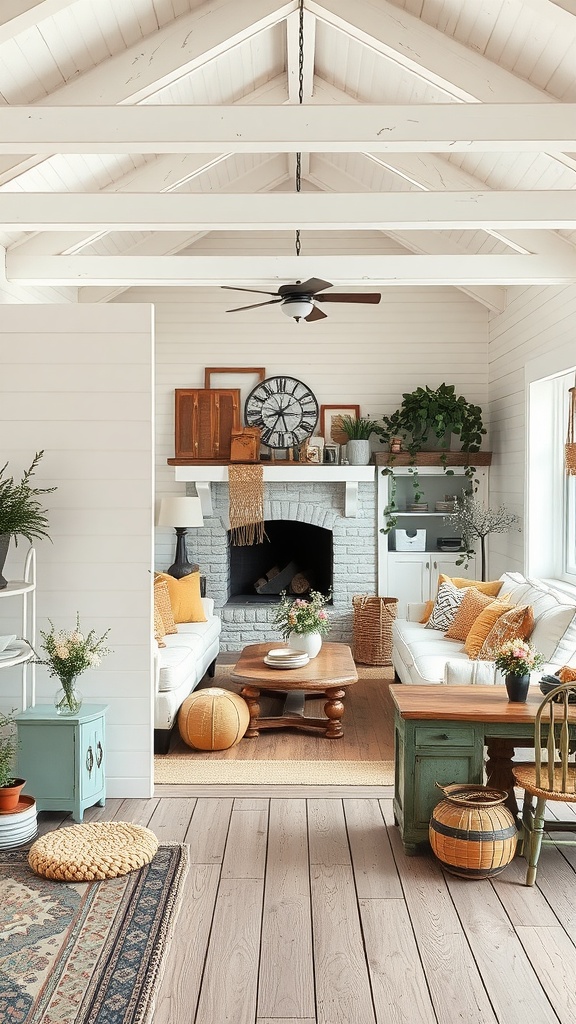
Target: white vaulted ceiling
{"points": [[438, 142]]}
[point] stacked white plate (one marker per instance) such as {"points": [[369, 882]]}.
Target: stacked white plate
{"points": [[20, 825], [286, 657]]}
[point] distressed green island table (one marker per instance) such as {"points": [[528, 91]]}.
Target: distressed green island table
{"points": [[439, 736]]}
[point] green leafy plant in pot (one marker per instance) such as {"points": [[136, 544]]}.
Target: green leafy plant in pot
{"points": [[21, 513], [10, 787], [359, 431]]}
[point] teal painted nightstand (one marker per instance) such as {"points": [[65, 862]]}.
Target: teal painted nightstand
{"points": [[62, 757]]}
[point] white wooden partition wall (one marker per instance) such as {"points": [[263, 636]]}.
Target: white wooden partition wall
{"points": [[77, 381]]}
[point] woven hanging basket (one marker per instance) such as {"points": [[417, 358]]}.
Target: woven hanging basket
{"points": [[570, 446], [471, 832], [372, 635]]}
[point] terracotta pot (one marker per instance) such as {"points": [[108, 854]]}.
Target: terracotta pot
{"points": [[10, 795]]}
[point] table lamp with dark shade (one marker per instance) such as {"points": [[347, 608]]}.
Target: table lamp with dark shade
{"points": [[181, 513]]}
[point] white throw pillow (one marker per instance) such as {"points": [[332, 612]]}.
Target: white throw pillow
{"points": [[447, 603], [549, 630]]}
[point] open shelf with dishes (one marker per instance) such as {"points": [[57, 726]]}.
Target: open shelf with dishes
{"points": [[17, 650]]}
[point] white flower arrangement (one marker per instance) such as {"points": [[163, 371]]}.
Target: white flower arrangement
{"points": [[69, 653]]}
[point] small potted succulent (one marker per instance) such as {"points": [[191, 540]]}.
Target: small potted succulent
{"points": [[21, 514], [359, 431], [10, 787]]}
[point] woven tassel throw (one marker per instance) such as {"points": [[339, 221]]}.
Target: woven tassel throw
{"points": [[570, 446], [246, 485]]}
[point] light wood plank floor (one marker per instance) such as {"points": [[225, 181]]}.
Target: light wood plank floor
{"points": [[307, 911]]}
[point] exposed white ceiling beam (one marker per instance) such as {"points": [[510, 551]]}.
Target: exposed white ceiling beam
{"points": [[171, 53], [246, 270], [374, 128], [32, 211], [546, 7], [18, 15]]}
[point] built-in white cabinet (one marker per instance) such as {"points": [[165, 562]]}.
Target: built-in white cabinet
{"points": [[412, 575]]}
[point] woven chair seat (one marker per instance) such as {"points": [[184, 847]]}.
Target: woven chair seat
{"points": [[97, 850], [525, 775]]}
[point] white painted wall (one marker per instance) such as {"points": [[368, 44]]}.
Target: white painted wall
{"points": [[535, 331], [367, 355], [77, 381]]}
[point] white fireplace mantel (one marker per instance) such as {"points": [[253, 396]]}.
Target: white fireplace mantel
{"points": [[351, 476]]}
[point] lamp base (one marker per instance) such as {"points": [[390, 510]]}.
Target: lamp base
{"points": [[181, 566]]}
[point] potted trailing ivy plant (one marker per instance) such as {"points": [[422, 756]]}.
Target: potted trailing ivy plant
{"points": [[359, 431], [21, 514], [426, 420], [10, 787]]}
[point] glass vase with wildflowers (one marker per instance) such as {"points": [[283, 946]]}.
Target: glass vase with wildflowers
{"points": [[68, 653], [517, 657], [303, 616]]}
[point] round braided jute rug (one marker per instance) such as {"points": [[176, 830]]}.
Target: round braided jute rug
{"points": [[86, 853]]}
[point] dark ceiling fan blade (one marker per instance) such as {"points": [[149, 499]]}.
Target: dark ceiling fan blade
{"points": [[254, 305], [373, 297], [310, 287], [256, 291], [316, 314]]}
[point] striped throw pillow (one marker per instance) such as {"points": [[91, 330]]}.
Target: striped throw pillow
{"points": [[447, 603]]}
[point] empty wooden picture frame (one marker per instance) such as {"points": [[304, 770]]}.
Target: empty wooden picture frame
{"points": [[330, 421], [243, 377]]}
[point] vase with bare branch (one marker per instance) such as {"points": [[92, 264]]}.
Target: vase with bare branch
{"points": [[475, 521]]}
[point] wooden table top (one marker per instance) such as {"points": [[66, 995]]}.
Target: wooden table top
{"points": [[465, 703], [333, 666]]}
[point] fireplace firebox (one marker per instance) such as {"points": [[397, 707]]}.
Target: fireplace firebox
{"points": [[291, 549]]}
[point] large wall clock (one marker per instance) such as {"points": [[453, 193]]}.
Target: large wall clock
{"points": [[285, 410]]}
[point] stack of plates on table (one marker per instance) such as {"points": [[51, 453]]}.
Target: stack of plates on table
{"points": [[19, 825], [286, 657], [417, 506]]}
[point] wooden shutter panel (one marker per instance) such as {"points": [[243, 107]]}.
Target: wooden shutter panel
{"points": [[204, 420]]}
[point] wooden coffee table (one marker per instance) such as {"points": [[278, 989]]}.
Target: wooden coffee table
{"points": [[328, 673]]}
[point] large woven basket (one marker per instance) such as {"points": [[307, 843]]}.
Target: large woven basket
{"points": [[372, 637], [471, 831]]}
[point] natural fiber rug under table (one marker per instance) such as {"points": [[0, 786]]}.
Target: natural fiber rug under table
{"points": [[184, 770], [81, 952]]}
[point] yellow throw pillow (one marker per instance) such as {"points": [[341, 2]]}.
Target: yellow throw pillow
{"points": [[428, 606], [158, 625], [162, 602], [517, 623], [472, 604], [483, 624], [185, 597], [491, 587]]}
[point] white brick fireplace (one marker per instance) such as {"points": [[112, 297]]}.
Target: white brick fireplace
{"points": [[341, 499]]}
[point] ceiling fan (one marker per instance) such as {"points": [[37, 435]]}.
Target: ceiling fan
{"points": [[299, 300]]}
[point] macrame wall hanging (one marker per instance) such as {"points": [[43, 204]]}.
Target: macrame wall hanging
{"points": [[246, 490], [570, 446]]}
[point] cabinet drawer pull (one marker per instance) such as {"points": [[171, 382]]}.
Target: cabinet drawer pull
{"points": [[89, 760], [99, 754], [443, 736]]}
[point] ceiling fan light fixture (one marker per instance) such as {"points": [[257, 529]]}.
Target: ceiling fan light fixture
{"points": [[298, 307]]}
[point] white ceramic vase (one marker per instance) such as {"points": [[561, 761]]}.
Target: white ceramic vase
{"points": [[358, 452], [308, 642]]}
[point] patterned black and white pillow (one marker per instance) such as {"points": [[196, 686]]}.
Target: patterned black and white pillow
{"points": [[447, 603]]}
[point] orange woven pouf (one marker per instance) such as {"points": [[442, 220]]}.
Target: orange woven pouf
{"points": [[213, 719]]}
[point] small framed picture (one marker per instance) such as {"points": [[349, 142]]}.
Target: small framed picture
{"points": [[331, 421], [332, 454], [313, 453]]}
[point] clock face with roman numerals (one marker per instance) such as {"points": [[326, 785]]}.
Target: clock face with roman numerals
{"points": [[285, 410]]}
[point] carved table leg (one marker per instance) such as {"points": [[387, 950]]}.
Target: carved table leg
{"points": [[334, 710], [252, 697], [499, 769]]}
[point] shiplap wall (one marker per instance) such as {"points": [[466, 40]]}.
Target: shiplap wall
{"points": [[367, 355], [537, 322], [77, 382]]}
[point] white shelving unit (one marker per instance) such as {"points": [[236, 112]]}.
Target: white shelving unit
{"points": [[26, 590]]}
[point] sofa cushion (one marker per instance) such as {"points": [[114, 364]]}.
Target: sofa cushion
{"points": [[491, 587], [158, 626], [518, 622], [162, 603], [482, 626], [178, 661], [429, 667], [184, 597], [550, 629], [447, 603], [472, 604]]}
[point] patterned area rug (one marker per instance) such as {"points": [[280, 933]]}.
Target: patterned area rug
{"points": [[73, 953], [183, 770]]}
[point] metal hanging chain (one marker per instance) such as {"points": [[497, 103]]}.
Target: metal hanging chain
{"points": [[298, 245]]}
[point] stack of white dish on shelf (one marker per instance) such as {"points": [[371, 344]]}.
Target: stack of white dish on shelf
{"points": [[286, 657], [19, 825]]}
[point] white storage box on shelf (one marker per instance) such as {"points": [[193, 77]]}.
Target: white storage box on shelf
{"points": [[410, 540]]}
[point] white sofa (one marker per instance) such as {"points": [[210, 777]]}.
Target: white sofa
{"points": [[422, 655], [179, 666]]}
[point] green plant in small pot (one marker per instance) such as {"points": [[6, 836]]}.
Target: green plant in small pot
{"points": [[21, 514], [10, 787], [359, 431]]}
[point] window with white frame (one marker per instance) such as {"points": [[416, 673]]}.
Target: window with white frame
{"points": [[566, 567]]}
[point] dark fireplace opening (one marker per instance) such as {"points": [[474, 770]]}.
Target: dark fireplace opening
{"points": [[296, 557]]}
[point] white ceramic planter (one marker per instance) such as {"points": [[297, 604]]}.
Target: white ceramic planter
{"points": [[358, 453]]}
